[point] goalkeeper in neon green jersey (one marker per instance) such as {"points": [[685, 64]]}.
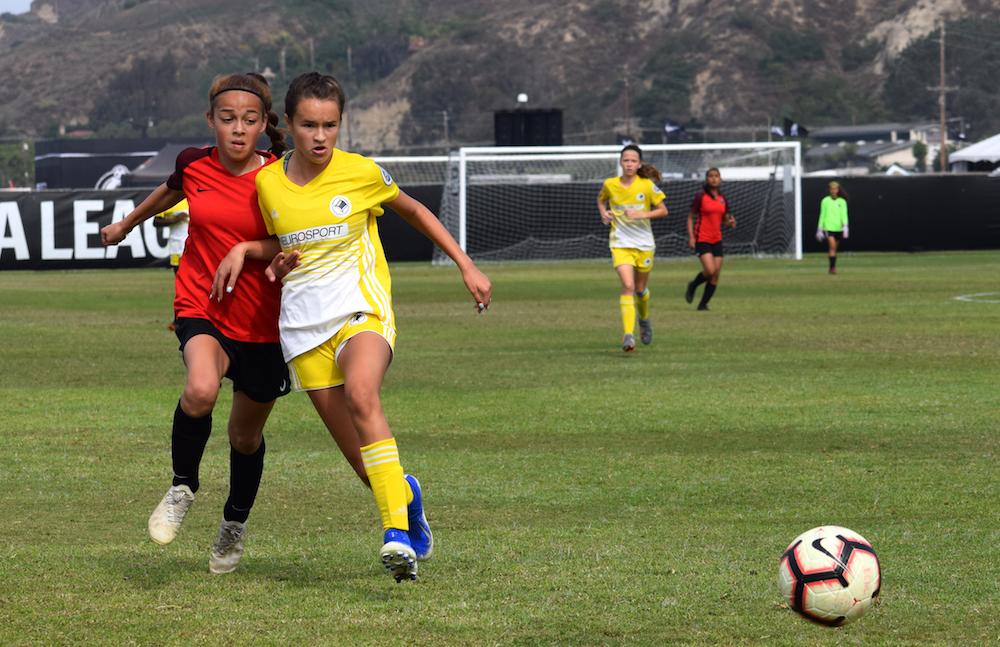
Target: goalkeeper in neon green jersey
{"points": [[628, 203], [833, 221]]}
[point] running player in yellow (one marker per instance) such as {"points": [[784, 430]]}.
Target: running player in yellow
{"points": [[628, 203], [336, 322]]}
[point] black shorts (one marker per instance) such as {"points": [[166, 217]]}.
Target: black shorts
{"points": [[836, 235], [257, 369], [715, 249]]}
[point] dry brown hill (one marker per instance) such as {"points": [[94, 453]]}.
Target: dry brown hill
{"points": [[412, 62]]}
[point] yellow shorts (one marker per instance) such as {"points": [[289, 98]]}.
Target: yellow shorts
{"points": [[317, 368], [641, 259]]}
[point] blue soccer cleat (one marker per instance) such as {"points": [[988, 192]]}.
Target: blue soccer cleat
{"points": [[398, 555], [419, 533]]}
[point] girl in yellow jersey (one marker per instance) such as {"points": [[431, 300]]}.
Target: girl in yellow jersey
{"points": [[336, 322], [628, 203]]}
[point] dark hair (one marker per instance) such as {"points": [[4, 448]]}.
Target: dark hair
{"points": [[704, 185], [647, 171], [256, 85], [313, 85], [840, 191]]}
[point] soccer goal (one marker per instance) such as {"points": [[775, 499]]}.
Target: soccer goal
{"points": [[539, 203]]}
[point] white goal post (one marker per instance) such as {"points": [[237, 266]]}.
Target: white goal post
{"points": [[538, 203]]}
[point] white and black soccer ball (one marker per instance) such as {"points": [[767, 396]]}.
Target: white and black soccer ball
{"points": [[830, 575]]}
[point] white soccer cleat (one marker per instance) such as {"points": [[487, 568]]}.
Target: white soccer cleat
{"points": [[165, 522], [228, 548]]}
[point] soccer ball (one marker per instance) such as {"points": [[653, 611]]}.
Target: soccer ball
{"points": [[830, 575]]}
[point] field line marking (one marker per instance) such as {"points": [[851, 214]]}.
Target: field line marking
{"points": [[972, 298]]}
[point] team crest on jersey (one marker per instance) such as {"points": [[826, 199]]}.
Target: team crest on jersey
{"points": [[657, 189], [640, 197], [358, 319], [385, 176], [340, 206]]}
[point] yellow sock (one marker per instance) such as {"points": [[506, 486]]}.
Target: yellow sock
{"points": [[642, 304], [392, 492], [628, 314]]}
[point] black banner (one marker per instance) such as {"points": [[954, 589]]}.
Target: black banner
{"points": [[915, 213], [50, 230], [61, 230]]}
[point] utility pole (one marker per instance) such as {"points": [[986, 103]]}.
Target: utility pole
{"points": [[444, 114], [944, 128], [628, 113], [941, 90]]}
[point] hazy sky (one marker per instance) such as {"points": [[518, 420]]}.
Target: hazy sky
{"points": [[15, 6]]}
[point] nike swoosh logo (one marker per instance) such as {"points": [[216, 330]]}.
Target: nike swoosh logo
{"points": [[282, 387], [201, 190]]}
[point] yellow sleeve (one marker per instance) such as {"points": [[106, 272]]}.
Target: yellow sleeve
{"points": [[380, 188], [655, 194], [265, 212], [605, 191]]}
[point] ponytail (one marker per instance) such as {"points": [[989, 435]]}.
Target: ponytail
{"points": [[649, 172], [256, 85]]}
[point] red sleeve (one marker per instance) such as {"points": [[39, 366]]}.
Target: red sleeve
{"points": [[696, 204], [185, 157]]}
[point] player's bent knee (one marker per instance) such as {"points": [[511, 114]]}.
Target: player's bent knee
{"points": [[245, 444], [199, 400], [362, 402]]}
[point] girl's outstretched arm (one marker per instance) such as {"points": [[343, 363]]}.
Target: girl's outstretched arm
{"points": [[427, 223], [161, 199]]}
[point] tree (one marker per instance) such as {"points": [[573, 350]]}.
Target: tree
{"points": [[920, 154]]}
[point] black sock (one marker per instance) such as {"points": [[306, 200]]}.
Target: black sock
{"points": [[709, 291], [833, 262], [244, 480], [187, 444], [698, 280]]}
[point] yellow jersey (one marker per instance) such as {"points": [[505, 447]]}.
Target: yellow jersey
{"points": [[641, 195], [332, 222], [178, 230]]}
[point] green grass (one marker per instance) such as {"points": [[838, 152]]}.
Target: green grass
{"points": [[578, 496]]}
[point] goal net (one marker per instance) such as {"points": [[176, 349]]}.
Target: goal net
{"points": [[540, 203]]}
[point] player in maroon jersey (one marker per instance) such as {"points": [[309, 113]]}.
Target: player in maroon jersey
{"points": [[235, 338], [709, 211]]}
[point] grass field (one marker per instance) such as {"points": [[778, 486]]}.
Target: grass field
{"points": [[578, 496]]}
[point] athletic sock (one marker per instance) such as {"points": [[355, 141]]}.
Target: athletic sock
{"points": [[642, 303], [628, 314], [388, 483], [245, 471], [709, 291], [833, 262], [188, 438], [698, 280]]}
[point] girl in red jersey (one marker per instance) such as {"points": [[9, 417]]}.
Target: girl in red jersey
{"points": [[708, 213], [237, 338]]}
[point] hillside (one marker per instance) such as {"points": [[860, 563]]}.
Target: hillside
{"points": [[143, 66]]}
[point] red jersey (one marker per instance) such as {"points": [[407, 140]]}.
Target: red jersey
{"points": [[223, 211], [708, 226]]}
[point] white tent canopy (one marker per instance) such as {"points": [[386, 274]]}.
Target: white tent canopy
{"points": [[987, 150]]}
